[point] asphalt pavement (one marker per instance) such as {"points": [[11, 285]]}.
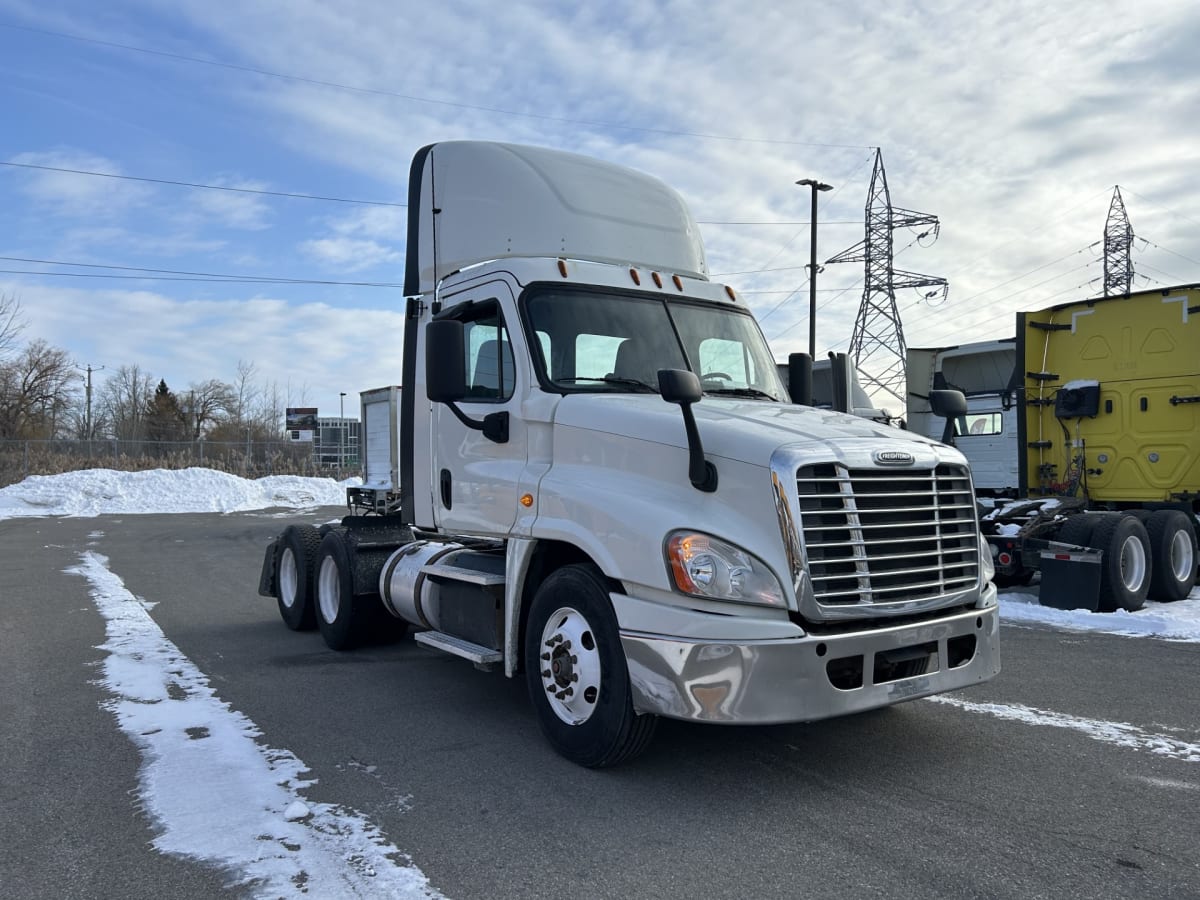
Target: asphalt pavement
{"points": [[1015, 790]]}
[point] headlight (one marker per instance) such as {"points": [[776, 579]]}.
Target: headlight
{"points": [[705, 566], [987, 565]]}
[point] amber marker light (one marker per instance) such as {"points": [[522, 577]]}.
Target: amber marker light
{"points": [[562, 268], [633, 273], [657, 279], [732, 295], [680, 550], [527, 500], [678, 282]]}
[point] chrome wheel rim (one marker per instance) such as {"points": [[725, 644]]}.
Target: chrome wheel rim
{"points": [[569, 662]]}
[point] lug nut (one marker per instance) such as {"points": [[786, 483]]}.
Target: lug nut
{"points": [[545, 657], [546, 673]]}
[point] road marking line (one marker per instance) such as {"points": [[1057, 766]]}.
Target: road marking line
{"points": [[1119, 733], [213, 791]]}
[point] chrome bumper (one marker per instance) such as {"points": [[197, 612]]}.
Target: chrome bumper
{"points": [[812, 677]]}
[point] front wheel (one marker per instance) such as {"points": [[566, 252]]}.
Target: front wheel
{"points": [[576, 672]]}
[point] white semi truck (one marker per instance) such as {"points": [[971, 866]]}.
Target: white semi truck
{"points": [[594, 479]]}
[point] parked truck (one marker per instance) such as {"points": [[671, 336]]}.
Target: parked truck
{"points": [[1089, 421], [593, 479]]}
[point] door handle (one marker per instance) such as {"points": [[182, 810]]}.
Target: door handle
{"points": [[446, 484]]}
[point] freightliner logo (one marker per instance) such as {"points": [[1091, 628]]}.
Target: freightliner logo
{"points": [[894, 458]]}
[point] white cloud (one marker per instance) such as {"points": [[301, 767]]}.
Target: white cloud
{"points": [[1011, 121]]}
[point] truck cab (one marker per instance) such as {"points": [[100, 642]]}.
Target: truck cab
{"points": [[604, 488]]}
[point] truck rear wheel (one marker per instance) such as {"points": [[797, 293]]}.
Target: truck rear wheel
{"points": [[344, 618], [577, 675], [1172, 555], [294, 564], [1125, 568]]}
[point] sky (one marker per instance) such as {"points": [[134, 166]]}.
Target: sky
{"points": [[1011, 121]]}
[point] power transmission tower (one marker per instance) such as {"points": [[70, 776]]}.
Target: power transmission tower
{"points": [[1118, 240], [877, 347]]}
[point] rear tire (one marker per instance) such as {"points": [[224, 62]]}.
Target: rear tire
{"points": [[294, 564], [577, 675], [346, 620], [1125, 568], [1077, 530], [1172, 555]]}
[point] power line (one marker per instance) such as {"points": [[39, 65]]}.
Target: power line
{"points": [[207, 187], [299, 196], [382, 92], [176, 275]]}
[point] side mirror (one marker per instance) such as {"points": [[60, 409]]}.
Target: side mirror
{"points": [[679, 386], [948, 405], [683, 387], [800, 378], [445, 362]]}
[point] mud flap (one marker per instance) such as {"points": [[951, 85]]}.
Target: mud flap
{"points": [[266, 579]]}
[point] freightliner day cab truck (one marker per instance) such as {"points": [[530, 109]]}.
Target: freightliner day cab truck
{"points": [[593, 478], [1092, 417]]}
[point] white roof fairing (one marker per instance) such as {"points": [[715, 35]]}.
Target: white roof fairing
{"points": [[473, 201]]}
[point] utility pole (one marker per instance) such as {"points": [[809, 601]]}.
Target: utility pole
{"points": [[88, 421], [812, 262]]}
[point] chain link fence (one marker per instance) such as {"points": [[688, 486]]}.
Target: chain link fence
{"points": [[249, 459]]}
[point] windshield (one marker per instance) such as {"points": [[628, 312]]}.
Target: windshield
{"points": [[606, 342]]}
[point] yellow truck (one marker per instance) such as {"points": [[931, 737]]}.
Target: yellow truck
{"points": [[1107, 441]]}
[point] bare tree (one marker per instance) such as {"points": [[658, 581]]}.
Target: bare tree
{"points": [[246, 392], [124, 400], [12, 323], [205, 403], [36, 388]]}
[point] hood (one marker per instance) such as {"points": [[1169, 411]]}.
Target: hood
{"points": [[748, 431]]}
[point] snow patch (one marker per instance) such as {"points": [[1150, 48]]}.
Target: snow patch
{"points": [[213, 792], [1178, 621], [1120, 733]]}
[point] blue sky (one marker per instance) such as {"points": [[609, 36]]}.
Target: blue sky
{"points": [[1011, 121]]}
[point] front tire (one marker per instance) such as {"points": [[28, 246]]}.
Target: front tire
{"points": [[577, 675], [294, 564]]}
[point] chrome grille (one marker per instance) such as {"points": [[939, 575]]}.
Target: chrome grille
{"points": [[882, 536]]}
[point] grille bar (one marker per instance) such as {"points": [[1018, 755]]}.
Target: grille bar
{"points": [[875, 536]]}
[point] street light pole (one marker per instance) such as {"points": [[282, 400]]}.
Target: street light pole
{"points": [[812, 265], [342, 430]]}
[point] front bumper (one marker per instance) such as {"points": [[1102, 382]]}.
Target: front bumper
{"points": [[811, 677]]}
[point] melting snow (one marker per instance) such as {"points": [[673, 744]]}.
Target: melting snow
{"points": [[212, 790]]}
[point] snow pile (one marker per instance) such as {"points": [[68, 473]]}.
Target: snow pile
{"points": [[96, 492], [1171, 621]]}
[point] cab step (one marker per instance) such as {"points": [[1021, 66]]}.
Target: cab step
{"points": [[456, 646], [458, 573]]}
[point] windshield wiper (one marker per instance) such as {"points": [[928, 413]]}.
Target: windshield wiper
{"points": [[741, 392], [612, 379]]}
